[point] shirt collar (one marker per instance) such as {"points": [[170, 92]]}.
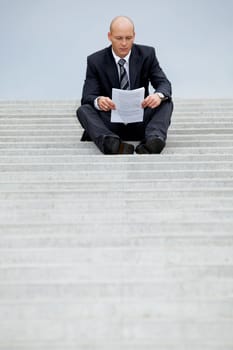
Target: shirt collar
{"points": [[117, 58]]}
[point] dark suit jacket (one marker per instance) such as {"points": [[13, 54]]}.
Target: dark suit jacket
{"points": [[102, 73]]}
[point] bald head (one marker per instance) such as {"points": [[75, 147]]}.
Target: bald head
{"points": [[121, 35], [121, 21]]}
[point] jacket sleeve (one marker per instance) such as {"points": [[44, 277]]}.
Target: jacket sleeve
{"points": [[91, 87], [158, 78]]}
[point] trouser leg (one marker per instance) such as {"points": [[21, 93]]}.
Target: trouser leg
{"points": [[97, 124], [157, 121], [91, 121]]}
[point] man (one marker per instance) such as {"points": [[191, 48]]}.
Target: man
{"points": [[139, 69]]}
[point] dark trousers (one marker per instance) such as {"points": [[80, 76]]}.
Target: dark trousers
{"points": [[97, 124]]}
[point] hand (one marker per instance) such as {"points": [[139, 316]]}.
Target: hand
{"points": [[151, 101], [105, 103]]}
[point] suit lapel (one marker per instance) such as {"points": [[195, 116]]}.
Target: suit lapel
{"points": [[111, 69]]}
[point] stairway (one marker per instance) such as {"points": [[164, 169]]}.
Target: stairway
{"points": [[130, 252]]}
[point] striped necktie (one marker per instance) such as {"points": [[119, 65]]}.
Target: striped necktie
{"points": [[124, 81]]}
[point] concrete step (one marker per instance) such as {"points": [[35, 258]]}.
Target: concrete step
{"points": [[131, 334], [192, 146], [53, 134], [19, 237], [221, 153], [64, 212], [134, 204], [134, 190], [23, 175], [226, 166], [197, 258], [113, 345], [73, 156]]}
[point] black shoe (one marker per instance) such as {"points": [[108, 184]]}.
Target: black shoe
{"points": [[154, 145], [113, 145]]}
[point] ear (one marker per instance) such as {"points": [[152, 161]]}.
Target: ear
{"points": [[109, 36]]}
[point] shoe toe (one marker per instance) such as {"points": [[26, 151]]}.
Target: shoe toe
{"points": [[141, 149], [155, 145]]}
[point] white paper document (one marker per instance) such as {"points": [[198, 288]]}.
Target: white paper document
{"points": [[128, 105]]}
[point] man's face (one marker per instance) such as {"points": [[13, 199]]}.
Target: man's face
{"points": [[122, 38]]}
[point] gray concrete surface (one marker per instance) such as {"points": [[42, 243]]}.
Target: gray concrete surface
{"points": [[131, 252]]}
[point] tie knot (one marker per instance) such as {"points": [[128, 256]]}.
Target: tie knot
{"points": [[121, 62]]}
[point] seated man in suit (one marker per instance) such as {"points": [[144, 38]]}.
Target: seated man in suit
{"points": [[140, 68]]}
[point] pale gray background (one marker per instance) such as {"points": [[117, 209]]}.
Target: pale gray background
{"points": [[44, 44]]}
